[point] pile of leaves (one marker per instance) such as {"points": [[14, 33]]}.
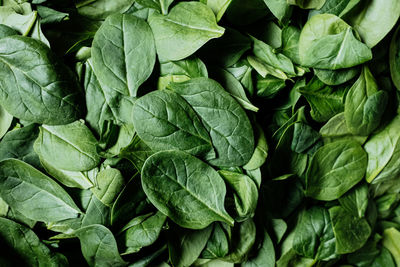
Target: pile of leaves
{"points": [[200, 133]]}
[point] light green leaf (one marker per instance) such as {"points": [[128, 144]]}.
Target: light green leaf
{"points": [[187, 27], [327, 42], [109, 184], [70, 147]]}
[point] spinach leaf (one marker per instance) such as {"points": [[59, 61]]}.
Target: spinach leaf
{"points": [[363, 105], [351, 232], [327, 177], [382, 149], [186, 248], [327, 42], [109, 184], [231, 134], [25, 246], [142, 231], [34, 194], [374, 20], [35, 86], [123, 53], [187, 27], [75, 140], [168, 177], [170, 123], [99, 246], [316, 242]]}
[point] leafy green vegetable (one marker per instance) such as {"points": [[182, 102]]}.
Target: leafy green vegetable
{"points": [[327, 42], [123, 53], [35, 86], [327, 177], [187, 27], [34, 194], [168, 177], [204, 133]]}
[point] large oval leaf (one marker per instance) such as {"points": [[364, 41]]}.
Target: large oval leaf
{"points": [[184, 188], [70, 147], [229, 127], [334, 169], [34, 194], [187, 27], [123, 53], [163, 120], [327, 42], [34, 85]]}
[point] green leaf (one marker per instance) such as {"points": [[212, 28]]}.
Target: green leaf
{"points": [[68, 178], [184, 188], [180, 71], [351, 232], [336, 77], [5, 121], [336, 7], [382, 149], [325, 101], [231, 134], [23, 247], [218, 244], [290, 43], [234, 87], [327, 42], [77, 143], [390, 241], [31, 74], [187, 27], [316, 242], [164, 120], [364, 105], [266, 53], [336, 129], [245, 193], [356, 200], [186, 246], [109, 184], [307, 4], [142, 231], [260, 152], [280, 8], [123, 53], [374, 20], [394, 60], [243, 239], [218, 6], [328, 176], [32, 193], [6, 31], [265, 256], [99, 246], [19, 20], [101, 9]]}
